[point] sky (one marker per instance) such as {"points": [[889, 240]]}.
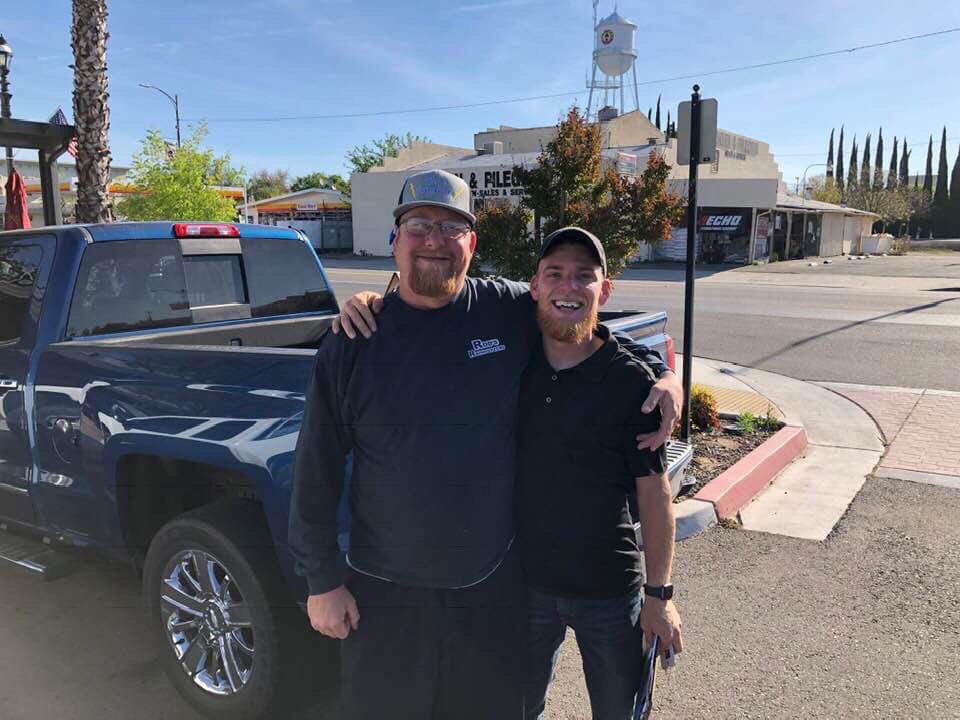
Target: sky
{"points": [[254, 59]]}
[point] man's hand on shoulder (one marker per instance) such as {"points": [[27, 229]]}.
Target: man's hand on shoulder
{"points": [[357, 314], [334, 613], [667, 394]]}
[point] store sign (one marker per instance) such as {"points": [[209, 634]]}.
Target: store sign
{"points": [[307, 206], [722, 222], [626, 164], [492, 183]]}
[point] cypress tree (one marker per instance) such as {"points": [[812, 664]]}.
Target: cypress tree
{"points": [[941, 210], [839, 173], [658, 112], [669, 125], [853, 171], [905, 166], [650, 114], [894, 164], [866, 177], [955, 198], [928, 176], [830, 156], [878, 164], [940, 195]]}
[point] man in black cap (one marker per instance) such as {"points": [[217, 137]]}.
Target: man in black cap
{"points": [[578, 463], [429, 599]]}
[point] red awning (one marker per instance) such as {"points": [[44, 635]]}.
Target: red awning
{"points": [[16, 216]]}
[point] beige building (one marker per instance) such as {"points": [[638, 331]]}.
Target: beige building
{"points": [[744, 212]]}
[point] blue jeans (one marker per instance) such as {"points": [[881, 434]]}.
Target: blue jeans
{"points": [[611, 645]]}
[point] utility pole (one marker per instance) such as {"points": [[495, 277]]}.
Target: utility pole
{"points": [[6, 57]]}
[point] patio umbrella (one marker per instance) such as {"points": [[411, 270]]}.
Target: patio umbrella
{"points": [[16, 216]]}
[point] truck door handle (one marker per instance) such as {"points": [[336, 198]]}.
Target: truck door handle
{"points": [[7, 384]]}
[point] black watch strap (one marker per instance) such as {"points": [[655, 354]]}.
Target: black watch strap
{"points": [[661, 592]]}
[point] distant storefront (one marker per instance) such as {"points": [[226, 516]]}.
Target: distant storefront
{"points": [[322, 214], [724, 234]]}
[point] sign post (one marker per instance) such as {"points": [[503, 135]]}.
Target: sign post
{"points": [[696, 143]]}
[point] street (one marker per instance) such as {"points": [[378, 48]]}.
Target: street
{"points": [[883, 321]]}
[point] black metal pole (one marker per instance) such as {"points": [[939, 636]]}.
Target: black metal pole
{"points": [[176, 109], [5, 111], [691, 262]]}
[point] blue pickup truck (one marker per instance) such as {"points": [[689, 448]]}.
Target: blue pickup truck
{"points": [[152, 380]]}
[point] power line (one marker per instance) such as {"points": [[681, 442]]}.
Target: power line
{"points": [[530, 98]]}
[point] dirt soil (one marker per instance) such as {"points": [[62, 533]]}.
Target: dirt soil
{"points": [[715, 452]]}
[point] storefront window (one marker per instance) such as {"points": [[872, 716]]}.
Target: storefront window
{"points": [[725, 235]]}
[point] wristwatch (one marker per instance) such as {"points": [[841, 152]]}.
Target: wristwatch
{"points": [[661, 592]]}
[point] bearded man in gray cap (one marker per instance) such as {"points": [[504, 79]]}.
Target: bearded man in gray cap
{"points": [[429, 600]]}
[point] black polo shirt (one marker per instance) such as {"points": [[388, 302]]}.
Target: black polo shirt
{"points": [[577, 464]]}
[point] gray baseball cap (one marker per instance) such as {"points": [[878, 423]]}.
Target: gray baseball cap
{"points": [[435, 188], [579, 236]]}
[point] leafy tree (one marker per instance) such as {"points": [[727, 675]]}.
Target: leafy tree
{"points": [[222, 172], [321, 180], [894, 164], [507, 244], [825, 189], [569, 187], [866, 178], [268, 183], [892, 206], [852, 172], [839, 174], [364, 157], [175, 186]]}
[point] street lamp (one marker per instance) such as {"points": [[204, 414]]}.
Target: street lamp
{"points": [[176, 105], [6, 57], [803, 189]]}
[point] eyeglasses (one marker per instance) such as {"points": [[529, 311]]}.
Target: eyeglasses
{"points": [[449, 229]]}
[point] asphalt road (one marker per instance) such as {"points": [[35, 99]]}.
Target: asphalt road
{"points": [[865, 625], [882, 321]]}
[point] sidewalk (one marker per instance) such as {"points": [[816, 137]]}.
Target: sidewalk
{"points": [[919, 427], [808, 498]]}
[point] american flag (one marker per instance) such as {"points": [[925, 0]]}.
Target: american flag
{"points": [[58, 118]]}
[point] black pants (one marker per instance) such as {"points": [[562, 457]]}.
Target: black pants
{"points": [[422, 654]]}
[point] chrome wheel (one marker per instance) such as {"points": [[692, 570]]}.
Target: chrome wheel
{"points": [[207, 622]]}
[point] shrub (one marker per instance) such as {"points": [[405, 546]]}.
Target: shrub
{"points": [[747, 423], [703, 409]]}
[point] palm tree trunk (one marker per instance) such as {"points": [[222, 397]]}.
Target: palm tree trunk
{"points": [[91, 113]]}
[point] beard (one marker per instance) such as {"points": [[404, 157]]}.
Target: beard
{"points": [[579, 331], [436, 280]]}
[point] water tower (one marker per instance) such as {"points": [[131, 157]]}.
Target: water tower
{"points": [[614, 55]]}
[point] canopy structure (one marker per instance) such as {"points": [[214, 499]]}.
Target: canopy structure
{"points": [[50, 141]]}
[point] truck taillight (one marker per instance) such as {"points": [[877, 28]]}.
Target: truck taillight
{"points": [[671, 354], [205, 230]]}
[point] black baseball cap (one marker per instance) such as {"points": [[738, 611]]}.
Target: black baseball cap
{"points": [[575, 235]]}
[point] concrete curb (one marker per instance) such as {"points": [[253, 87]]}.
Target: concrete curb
{"points": [[723, 496], [739, 484]]}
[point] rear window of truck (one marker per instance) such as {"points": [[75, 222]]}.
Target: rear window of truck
{"points": [[149, 284]]}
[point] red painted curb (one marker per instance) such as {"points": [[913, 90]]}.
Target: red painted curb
{"points": [[740, 483]]}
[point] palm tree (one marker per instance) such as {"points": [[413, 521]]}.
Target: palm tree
{"points": [[91, 113]]}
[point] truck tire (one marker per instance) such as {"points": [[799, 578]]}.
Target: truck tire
{"points": [[221, 612]]}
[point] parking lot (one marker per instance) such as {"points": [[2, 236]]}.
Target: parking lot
{"points": [[864, 625]]}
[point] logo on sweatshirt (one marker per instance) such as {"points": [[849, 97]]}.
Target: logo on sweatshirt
{"points": [[484, 347]]}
